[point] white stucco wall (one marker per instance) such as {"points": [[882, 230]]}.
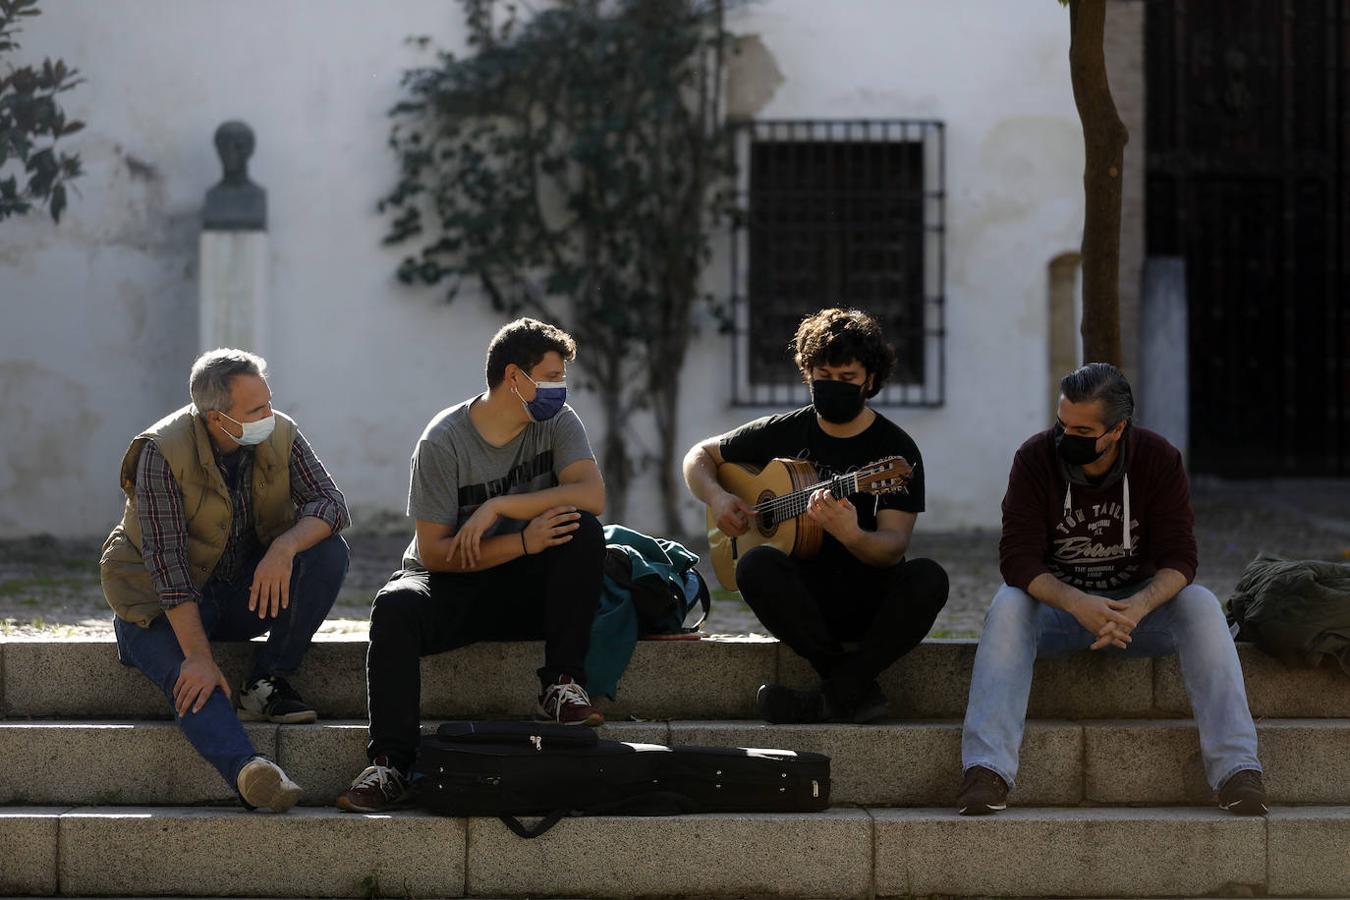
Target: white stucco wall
{"points": [[99, 322]]}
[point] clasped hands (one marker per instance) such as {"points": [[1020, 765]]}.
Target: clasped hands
{"points": [[1112, 621]]}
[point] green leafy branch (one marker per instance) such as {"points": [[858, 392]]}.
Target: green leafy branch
{"points": [[31, 124]]}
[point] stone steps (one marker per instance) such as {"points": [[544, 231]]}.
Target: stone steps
{"points": [[841, 853], [712, 679], [1147, 762], [101, 795]]}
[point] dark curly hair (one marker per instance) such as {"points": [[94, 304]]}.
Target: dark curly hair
{"points": [[525, 342], [836, 337]]}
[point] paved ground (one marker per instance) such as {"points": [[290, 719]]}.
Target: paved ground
{"points": [[49, 587]]}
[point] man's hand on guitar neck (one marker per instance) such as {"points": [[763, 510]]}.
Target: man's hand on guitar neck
{"points": [[886, 546], [838, 517]]}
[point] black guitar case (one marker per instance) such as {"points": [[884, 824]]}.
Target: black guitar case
{"points": [[510, 769]]}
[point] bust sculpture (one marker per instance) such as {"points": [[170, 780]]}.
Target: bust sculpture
{"points": [[235, 203]]}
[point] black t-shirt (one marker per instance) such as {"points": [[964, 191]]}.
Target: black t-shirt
{"points": [[797, 435]]}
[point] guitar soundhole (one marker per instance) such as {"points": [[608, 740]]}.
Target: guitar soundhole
{"points": [[764, 520]]}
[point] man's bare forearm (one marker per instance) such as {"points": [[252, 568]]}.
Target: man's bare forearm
{"points": [[880, 548], [492, 552], [304, 534], [1166, 584], [186, 620], [584, 495], [700, 475], [1052, 592]]}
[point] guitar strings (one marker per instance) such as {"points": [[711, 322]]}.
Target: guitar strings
{"points": [[790, 506]]}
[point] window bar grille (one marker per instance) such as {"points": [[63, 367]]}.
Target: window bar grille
{"points": [[839, 212]]}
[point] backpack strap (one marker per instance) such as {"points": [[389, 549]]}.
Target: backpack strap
{"points": [[704, 598], [537, 828]]}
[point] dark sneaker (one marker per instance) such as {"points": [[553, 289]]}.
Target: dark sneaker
{"points": [[873, 706], [1243, 794], [263, 785], [272, 699], [568, 704], [378, 788], [781, 705], [983, 792]]}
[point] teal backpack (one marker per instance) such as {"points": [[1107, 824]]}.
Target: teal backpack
{"points": [[651, 588]]}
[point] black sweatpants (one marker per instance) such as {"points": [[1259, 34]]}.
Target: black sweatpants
{"points": [[815, 607], [550, 595]]}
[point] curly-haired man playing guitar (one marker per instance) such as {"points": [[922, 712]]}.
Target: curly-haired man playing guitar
{"points": [[858, 605]]}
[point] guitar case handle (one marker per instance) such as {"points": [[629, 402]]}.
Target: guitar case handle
{"points": [[535, 830]]}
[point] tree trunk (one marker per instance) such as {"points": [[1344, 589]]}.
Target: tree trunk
{"points": [[1104, 139], [614, 461], [666, 411]]}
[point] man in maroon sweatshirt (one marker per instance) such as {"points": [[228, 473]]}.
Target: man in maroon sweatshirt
{"points": [[1098, 553]]}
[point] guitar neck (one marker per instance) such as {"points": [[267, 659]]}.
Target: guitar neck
{"points": [[789, 506]]}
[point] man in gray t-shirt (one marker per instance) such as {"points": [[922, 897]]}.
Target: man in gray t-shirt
{"points": [[505, 494], [455, 470]]}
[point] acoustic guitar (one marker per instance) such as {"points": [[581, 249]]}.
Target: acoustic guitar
{"points": [[779, 494]]}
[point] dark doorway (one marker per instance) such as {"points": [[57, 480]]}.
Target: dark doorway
{"points": [[1249, 182]]}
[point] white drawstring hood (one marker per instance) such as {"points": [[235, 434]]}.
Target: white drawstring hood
{"points": [[1127, 542]]}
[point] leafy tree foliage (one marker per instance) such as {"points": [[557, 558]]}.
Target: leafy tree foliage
{"points": [[571, 167], [33, 173]]}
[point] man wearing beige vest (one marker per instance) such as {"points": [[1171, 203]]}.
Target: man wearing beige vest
{"points": [[230, 530]]}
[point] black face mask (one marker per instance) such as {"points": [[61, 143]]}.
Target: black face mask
{"points": [[836, 402], [1076, 449]]}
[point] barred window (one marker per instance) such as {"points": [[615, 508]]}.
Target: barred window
{"points": [[838, 213]]}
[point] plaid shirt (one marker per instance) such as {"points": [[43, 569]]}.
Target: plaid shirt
{"points": [[164, 535]]}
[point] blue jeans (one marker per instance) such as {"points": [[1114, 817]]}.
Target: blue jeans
{"points": [[215, 730], [1018, 628]]}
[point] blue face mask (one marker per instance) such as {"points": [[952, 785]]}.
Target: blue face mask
{"points": [[549, 397]]}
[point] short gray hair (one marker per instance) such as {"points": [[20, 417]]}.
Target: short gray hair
{"points": [[209, 383], [1104, 382]]}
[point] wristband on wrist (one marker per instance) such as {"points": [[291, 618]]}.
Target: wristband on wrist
{"points": [[522, 543]]}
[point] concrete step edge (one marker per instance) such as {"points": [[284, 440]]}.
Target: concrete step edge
{"points": [[885, 852]]}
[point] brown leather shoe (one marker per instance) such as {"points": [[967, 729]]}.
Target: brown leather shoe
{"points": [[983, 792], [1244, 794]]}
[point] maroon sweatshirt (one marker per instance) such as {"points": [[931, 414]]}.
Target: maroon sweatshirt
{"points": [[1056, 520]]}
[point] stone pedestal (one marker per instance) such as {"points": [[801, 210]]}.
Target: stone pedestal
{"points": [[233, 250], [1066, 309], [1164, 357], [233, 290]]}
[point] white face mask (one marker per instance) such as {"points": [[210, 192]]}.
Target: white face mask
{"points": [[254, 432]]}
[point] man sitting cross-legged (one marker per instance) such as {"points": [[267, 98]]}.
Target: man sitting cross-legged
{"points": [[1098, 552], [860, 589], [505, 493]]}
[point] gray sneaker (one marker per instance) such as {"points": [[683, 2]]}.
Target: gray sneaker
{"points": [[263, 785]]}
